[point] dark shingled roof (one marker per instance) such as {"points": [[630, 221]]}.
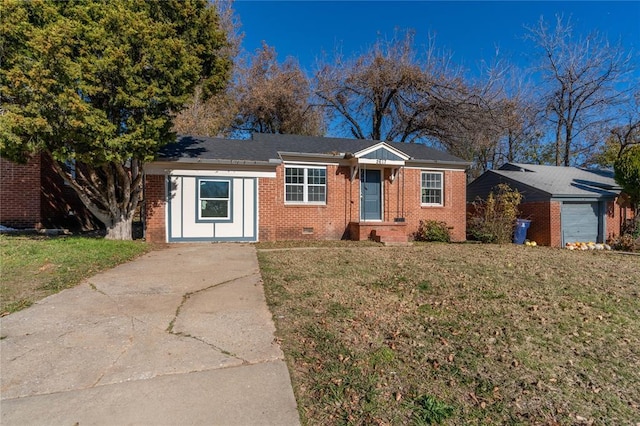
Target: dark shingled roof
{"points": [[265, 147], [541, 182]]}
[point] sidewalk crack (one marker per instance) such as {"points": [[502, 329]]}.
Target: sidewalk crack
{"points": [[124, 350], [185, 298], [211, 345]]}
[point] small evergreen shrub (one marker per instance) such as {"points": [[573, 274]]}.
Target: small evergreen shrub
{"points": [[432, 230]]}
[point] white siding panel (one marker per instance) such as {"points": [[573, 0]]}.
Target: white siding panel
{"points": [[190, 228], [198, 230], [176, 207], [250, 207]]}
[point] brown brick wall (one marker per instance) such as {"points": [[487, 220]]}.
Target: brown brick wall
{"points": [[288, 222], [20, 194], [453, 212], [545, 228], [155, 203], [615, 217], [331, 221]]}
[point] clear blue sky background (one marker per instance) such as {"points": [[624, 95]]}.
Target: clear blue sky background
{"points": [[471, 30]]}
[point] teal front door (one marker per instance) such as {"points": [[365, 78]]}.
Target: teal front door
{"points": [[370, 195]]}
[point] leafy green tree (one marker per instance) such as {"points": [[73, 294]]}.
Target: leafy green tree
{"points": [[627, 175], [98, 83]]}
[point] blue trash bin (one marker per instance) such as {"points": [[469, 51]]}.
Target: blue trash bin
{"points": [[520, 233]]}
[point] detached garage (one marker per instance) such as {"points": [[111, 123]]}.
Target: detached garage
{"points": [[564, 204]]}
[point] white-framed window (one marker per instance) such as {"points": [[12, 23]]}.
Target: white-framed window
{"points": [[305, 185], [214, 199], [432, 188]]}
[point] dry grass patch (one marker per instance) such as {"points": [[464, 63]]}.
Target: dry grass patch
{"points": [[464, 334]]}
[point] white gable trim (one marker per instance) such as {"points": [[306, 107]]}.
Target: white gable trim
{"points": [[381, 145]]}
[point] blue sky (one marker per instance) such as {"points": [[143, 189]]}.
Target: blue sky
{"points": [[470, 30]]}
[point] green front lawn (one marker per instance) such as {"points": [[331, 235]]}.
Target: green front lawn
{"points": [[33, 267]]}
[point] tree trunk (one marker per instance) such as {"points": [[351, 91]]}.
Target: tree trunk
{"points": [[111, 192], [120, 229], [558, 146]]}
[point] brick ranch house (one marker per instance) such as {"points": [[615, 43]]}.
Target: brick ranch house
{"points": [[564, 204], [287, 187], [34, 196]]}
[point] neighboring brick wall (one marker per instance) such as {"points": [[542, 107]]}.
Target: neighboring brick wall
{"points": [[155, 204], [20, 194], [615, 217], [545, 228], [331, 221]]}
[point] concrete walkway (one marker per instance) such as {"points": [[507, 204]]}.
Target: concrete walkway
{"points": [[180, 336]]}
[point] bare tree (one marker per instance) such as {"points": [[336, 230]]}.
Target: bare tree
{"points": [[389, 92], [581, 77], [514, 114], [392, 92], [275, 98], [622, 136], [207, 117]]}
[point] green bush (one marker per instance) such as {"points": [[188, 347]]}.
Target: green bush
{"points": [[493, 220], [432, 230]]}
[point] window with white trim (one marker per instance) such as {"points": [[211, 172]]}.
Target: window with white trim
{"points": [[432, 188], [214, 198], [305, 185]]}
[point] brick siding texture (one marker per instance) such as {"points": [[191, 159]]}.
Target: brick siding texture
{"points": [[20, 194], [453, 211], [154, 207], [545, 228], [331, 221], [615, 217]]}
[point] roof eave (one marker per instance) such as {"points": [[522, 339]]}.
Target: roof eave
{"points": [[457, 164], [337, 156], [214, 161]]}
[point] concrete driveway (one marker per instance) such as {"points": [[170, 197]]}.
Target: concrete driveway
{"points": [[180, 336]]}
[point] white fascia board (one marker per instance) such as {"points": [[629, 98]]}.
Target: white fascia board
{"points": [[443, 165], [230, 173], [299, 157], [381, 162], [384, 146], [438, 168], [209, 169], [310, 163]]}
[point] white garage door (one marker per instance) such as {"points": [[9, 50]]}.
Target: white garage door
{"points": [[579, 222]]}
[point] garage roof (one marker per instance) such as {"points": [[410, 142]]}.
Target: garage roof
{"points": [[540, 182]]}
